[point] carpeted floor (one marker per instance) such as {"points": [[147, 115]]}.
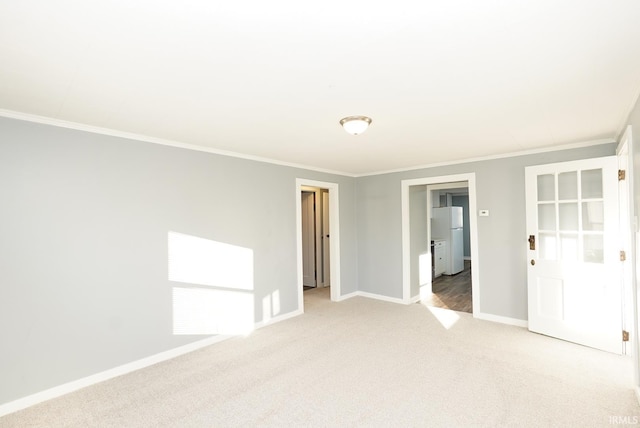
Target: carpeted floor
{"points": [[362, 362]]}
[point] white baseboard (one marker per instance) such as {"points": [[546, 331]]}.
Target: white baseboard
{"points": [[414, 299], [279, 318], [66, 388], [347, 296], [380, 297], [502, 320]]}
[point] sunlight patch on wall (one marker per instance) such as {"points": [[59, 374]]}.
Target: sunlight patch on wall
{"points": [[424, 268], [219, 298], [212, 311], [271, 306], [201, 261]]}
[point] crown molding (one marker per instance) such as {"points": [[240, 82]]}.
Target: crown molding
{"points": [[165, 142], [148, 139], [493, 157]]}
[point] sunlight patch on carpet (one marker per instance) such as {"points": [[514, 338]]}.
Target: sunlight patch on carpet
{"points": [[446, 317]]}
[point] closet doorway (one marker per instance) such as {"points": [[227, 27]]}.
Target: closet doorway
{"points": [[316, 238], [318, 253]]}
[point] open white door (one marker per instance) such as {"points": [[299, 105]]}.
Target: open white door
{"points": [[308, 239], [573, 256], [326, 246]]}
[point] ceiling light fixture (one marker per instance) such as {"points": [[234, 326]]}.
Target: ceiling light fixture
{"points": [[355, 125]]}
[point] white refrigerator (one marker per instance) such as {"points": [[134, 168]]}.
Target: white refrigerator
{"points": [[446, 224]]}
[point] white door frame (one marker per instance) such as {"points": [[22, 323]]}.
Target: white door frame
{"points": [[334, 242], [624, 151], [309, 231], [627, 268], [318, 241], [326, 249], [470, 178]]}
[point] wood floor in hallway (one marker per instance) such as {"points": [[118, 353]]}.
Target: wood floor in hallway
{"points": [[453, 291]]}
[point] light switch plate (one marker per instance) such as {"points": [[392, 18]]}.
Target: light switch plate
{"points": [[484, 213]]}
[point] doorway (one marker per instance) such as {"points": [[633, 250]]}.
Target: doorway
{"points": [[316, 237], [417, 265], [326, 257], [451, 286]]}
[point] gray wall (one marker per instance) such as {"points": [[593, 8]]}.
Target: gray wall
{"points": [[83, 244], [83, 248], [463, 201], [501, 237]]}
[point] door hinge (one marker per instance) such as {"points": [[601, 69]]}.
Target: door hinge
{"points": [[622, 174], [625, 336], [623, 256]]}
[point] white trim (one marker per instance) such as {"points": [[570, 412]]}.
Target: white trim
{"points": [[146, 138], [625, 148], [493, 157], [481, 316], [377, 297], [149, 139], [66, 388], [277, 319], [347, 296], [334, 242], [627, 242], [502, 320], [380, 297], [447, 186], [69, 387], [470, 178]]}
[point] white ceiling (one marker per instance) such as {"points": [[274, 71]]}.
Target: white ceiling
{"points": [[442, 80]]}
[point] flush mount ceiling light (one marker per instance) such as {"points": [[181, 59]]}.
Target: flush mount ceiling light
{"points": [[355, 125]]}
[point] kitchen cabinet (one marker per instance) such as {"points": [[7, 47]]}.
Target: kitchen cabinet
{"points": [[440, 256]]}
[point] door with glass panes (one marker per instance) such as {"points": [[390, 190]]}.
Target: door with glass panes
{"points": [[572, 247]]}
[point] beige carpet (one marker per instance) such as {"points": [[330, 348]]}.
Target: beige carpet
{"points": [[362, 362]]}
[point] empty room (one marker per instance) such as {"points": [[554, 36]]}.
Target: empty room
{"points": [[242, 213]]}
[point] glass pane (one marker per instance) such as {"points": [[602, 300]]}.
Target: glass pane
{"points": [[547, 246], [592, 183], [546, 217], [569, 246], [569, 216], [593, 249], [546, 187], [568, 185], [593, 215]]}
